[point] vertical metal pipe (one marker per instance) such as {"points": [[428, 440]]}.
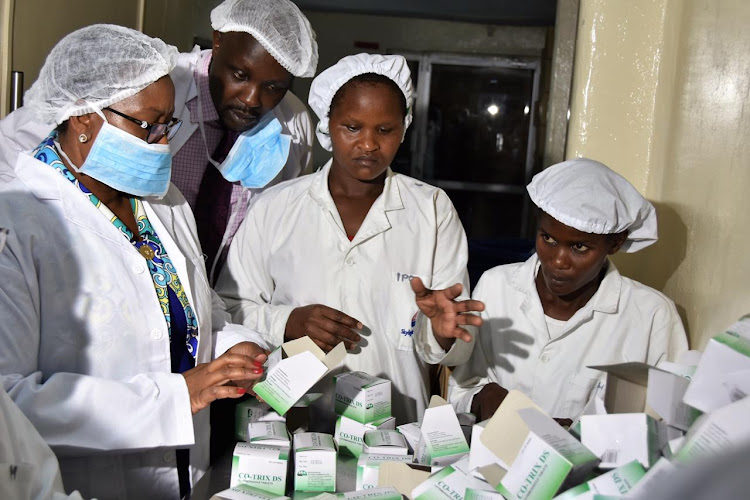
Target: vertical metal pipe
{"points": [[16, 90]]}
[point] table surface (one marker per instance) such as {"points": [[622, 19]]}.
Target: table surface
{"points": [[217, 478]]}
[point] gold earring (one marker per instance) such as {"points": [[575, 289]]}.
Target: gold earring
{"points": [[83, 138]]}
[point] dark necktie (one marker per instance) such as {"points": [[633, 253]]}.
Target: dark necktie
{"points": [[213, 206]]}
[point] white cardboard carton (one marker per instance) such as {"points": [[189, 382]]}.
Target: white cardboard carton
{"points": [[617, 482], [314, 462], [717, 432], [449, 483], [640, 388], [723, 373], [541, 454], [371, 494], [472, 494], [441, 441], [620, 438], [368, 468], [268, 433], [412, 432], [385, 442], [654, 476], [252, 410], [245, 492], [480, 455], [362, 397], [294, 368], [349, 434], [262, 467]]}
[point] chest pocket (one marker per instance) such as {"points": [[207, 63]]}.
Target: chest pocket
{"points": [[16, 480], [580, 388], [402, 314]]}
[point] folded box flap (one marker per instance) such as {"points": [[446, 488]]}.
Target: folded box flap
{"points": [[403, 477], [506, 431], [302, 344]]}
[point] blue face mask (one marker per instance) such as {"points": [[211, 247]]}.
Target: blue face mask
{"points": [[257, 155], [126, 163]]}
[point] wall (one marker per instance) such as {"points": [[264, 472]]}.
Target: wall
{"points": [[39, 24], [660, 94]]}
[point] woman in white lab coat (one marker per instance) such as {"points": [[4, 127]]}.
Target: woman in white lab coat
{"points": [[547, 320], [109, 326], [332, 255]]}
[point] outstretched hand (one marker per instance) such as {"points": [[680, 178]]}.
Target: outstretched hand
{"points": [[447, 315]]}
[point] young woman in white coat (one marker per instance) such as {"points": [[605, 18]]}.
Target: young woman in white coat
{"points": [[567, 307], [109, 327], [339, 254]]}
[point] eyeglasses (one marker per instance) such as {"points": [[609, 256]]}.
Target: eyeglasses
{"points": [[155, 130]]}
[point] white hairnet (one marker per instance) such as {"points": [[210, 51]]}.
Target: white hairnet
{"points": [[327, 83], [95, 67], [278, 25], [586, 195]]}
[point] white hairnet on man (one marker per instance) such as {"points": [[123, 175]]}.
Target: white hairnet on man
{"points": [[278, 25], [325, 86], [128, 60]]}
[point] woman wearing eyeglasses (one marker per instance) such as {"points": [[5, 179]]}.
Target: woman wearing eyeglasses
{"points": [[112, 341]]}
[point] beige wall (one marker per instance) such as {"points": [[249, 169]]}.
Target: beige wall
{"points": [[39, 24], [660, 94]]}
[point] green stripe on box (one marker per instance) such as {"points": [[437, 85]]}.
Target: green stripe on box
{"points": [[273, 401], [734, 341], [573, 492]]}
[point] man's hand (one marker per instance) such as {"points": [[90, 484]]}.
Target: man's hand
{"points": [[324, 325], [445, 313], [486, 401], [208, 382]]}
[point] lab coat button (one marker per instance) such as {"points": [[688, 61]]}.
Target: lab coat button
{"points": [[156, 334], [168, 457], [138, 268], [350, 262], [545, 358]]}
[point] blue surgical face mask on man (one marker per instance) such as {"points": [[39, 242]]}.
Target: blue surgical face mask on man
{"points": [[127, 163], [258, 154]]}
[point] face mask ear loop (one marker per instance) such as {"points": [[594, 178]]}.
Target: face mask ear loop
{"points": [[203, 130], [65, 155]]}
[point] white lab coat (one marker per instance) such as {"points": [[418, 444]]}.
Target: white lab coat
{"points": [[623, 321], [292, 250], [28, 468], [85, 344], [292, 115]]}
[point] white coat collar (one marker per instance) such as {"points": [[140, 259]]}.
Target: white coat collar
{"points": [[376, 221], [47, 184], [606, 300]]}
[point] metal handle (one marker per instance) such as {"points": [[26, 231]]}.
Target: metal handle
{"points": [[16, 90]]}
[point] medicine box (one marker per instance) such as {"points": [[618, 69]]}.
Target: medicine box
{"points": [[252, 410], [314, 462], [268, 433], [294, 368], [385, 442], [362, 397], [259, 466], [541, 455], [349, 434], [442, 440]]}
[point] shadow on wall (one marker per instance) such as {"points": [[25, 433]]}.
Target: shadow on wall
{"points": [[655, 265]]}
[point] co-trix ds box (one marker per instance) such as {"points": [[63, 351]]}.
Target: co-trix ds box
{"points": [[362, 398]]}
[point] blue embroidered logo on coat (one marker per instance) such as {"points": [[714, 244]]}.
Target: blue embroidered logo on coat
{"points": [[410, 331]]}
